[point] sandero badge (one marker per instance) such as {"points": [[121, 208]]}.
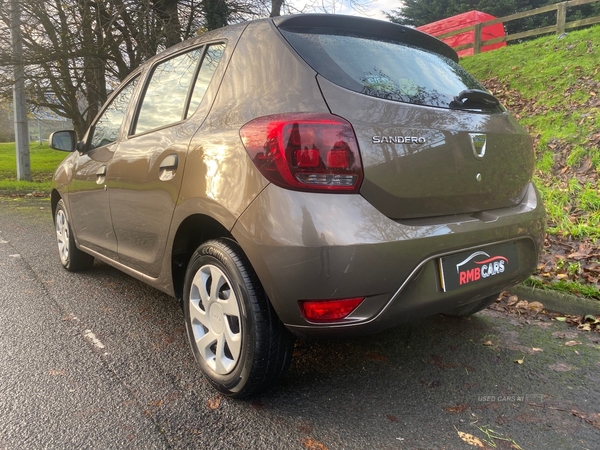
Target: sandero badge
{"points": [[476, 266]]}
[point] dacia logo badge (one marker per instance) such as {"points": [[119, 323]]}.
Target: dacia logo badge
{"points": [[478, 144]]}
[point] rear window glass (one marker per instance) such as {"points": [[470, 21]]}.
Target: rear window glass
{"points": [[389, 70]]}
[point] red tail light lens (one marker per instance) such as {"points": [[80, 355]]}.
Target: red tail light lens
{"points": [[308, 157], [328, 310], [305, 151]]}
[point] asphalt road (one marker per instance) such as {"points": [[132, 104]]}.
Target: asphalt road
{"points": [[99, 360]]}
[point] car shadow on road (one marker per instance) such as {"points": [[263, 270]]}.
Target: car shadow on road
{"points": [[423, 382]]}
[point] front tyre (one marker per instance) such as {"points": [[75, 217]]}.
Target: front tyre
{"points": [[70, 256], [235, 335]]}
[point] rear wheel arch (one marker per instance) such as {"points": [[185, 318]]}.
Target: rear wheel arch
{"points": [[191, 233]]}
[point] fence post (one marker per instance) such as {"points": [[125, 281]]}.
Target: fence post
{"points": [[561, 17], [477, 40]]}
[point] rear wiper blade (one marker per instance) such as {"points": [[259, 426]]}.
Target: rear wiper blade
{"points": [[476, 99]]}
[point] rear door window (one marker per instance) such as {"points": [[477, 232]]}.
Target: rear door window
{"points": [[173, 82], [165, 98], [384, 69]]}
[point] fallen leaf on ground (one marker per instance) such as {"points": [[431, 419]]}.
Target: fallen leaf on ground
{"points": [[214, 403], [523, 304], [570, 335], [590, 318], [561, 367], [312, 444], [458, 408], [536, 306], [470, 439], [512, 300]]}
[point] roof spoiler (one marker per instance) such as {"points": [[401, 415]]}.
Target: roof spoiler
{"points": [[319, 23]]}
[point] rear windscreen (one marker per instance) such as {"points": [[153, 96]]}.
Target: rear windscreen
{"points": [[384, 69]]}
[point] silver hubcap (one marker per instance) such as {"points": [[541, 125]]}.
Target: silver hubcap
{"points": [[215, 319], [62, 236]]}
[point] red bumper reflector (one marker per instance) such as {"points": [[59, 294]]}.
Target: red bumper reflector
{"points": [[328, 310]]}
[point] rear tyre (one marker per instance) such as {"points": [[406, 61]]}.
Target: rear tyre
{"points": [[235, 335], [472, 308], [70, 256]]}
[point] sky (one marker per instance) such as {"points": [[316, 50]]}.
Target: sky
{"points": [[373, 8]]}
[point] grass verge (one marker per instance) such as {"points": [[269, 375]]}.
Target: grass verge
{"points": [[43, 161], [552, 85]]}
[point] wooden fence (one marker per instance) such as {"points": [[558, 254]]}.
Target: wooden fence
{"points": [[561, 25]]}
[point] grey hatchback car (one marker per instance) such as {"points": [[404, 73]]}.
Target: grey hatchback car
{"points": [[308, 175]]}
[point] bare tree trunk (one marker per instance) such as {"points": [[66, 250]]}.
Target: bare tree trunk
{"points": [[276, 8], [216, 13], [93, 76], [168, 13]]}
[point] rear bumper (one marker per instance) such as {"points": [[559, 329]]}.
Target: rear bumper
{"points": [[320, 246]]}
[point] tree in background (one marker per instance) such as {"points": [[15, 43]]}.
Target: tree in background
{"points": [[7, 129], [77, 51], [420, 12]]}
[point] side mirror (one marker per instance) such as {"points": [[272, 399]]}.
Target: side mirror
{"points": [[63, 140]]}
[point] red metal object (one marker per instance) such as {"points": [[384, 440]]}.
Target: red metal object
{"points": [[465, 20]]}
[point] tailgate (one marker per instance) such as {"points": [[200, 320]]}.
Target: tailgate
{"points": [[423, 161]]}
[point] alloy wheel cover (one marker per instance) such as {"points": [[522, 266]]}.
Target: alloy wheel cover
{"points": [[62, 236], [215, 319]]}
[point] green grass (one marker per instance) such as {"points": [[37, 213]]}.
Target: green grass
{"points": [[546, 65], [569, 287], [558, 82], [553, 87], [43, 161]]}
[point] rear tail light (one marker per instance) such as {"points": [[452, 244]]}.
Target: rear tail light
{"points": [[328, 310], [305, 151]]}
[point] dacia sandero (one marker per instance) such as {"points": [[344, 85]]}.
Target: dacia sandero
{"points": [[305, 175]]}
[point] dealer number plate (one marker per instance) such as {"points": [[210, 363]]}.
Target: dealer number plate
{"points": [[476, 266]]}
